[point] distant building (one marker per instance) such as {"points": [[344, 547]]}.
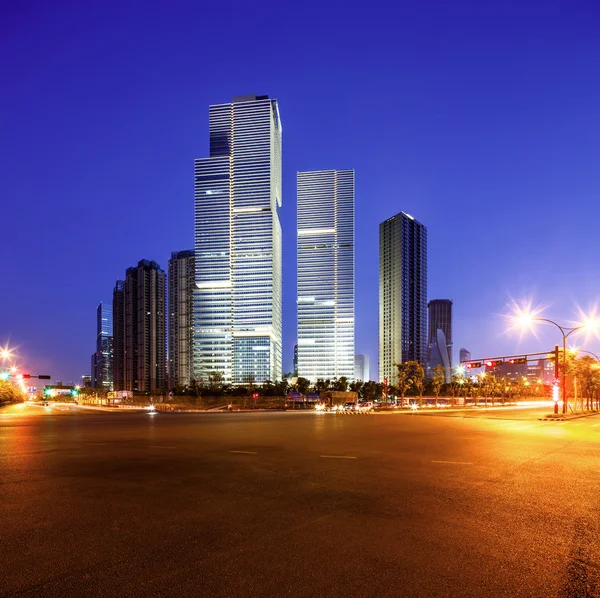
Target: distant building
{"points": [[440, 336], [141, 303], [512, 372], [326, 274], [402, 293], [102, 360], [181, 300], [361, 367], [464, 355], [295, 372], [119, 336], [86, 381]]}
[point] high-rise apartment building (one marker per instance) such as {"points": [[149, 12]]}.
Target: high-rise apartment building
{"points": [[181, 278], [402, 293], [440, 336], [361, 367], [237, 243], [295, 363], [103, 357], [326, 274], [119, 335], [139, 323]]}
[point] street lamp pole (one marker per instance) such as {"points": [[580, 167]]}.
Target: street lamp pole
{"points": [[566, 332]]}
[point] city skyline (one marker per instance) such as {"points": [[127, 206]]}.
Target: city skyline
{"points": [[481, 132]]}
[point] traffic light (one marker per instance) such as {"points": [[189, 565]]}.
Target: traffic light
{"points": [[74, 392], [473, 364], [44, 377], [493, 363], [26, 376], [4, 376], [47, 392], [517, 360]]}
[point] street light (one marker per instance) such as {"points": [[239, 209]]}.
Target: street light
{"points": [[527, 319]]}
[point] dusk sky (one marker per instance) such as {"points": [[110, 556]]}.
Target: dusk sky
{"points": [[480, 119]]}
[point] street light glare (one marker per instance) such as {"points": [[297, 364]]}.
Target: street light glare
{"points": [[522, 316]]}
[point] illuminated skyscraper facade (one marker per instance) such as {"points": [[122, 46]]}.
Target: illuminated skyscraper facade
{"points": [[103, 375], [181, 278], [440, 336], [326, 274], [402, 293], [237, 244]]}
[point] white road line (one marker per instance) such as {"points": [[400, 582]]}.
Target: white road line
{"points": [[454, 462], [244, 452], [162, 447], [336, 457]]}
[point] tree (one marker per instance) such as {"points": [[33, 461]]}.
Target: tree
{"points": [[356, 386], [417, 376], [215, 382], [439, 378], [322, 385], [371, 391], [302, 385], [340, 384], [404, 380]]}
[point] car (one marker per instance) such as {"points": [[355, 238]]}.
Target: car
{"points": [[365, 406], [349, 406]]}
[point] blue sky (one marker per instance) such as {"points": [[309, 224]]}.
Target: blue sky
{"points": [[478, 118]]}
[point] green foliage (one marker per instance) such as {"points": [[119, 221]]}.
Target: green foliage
{"points": [[340, 384], [10, 393]]}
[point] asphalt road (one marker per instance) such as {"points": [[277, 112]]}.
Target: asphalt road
{"points": [[298, 504]]}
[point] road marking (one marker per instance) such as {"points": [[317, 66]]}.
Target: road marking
{"points": [[454, 462], [244, 452], [336, 457], [161, 447]]}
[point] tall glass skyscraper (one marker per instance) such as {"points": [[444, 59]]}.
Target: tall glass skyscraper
{"points": [[237, 243], [440, 336], [326, 274], [402, 293], [103, 375]]}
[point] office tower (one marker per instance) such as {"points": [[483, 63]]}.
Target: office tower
{"points": [[295, 372], [440, 336], [119, 335], [94, 370], [181, 297], [402, 293], [143, 328], [237, 243], [86, 381], [464, 355], [103, 376], [326, 274], [361, 367]]}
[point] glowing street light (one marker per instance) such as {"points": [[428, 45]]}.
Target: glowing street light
{"points": [[525, 319], [6, 353]]}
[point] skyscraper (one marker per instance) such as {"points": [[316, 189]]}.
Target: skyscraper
{"points": [[361, 367], [103, 375], [181, 295], [464, 355], [402, 293], [237, 243], [119, 335], [140, 329], [440, 336], [326, 274]]}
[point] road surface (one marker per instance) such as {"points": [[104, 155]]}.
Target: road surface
{"points": [[298, 504]]}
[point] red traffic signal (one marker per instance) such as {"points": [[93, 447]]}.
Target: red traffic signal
{"points": [[26, 376], [493, 363], [255, 395], [473, 364], [517, 360]]}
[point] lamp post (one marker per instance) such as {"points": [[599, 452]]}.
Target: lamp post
{"points": [[566, 333]]}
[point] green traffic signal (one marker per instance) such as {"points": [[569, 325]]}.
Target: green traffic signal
{"points": [[4, 376]]}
